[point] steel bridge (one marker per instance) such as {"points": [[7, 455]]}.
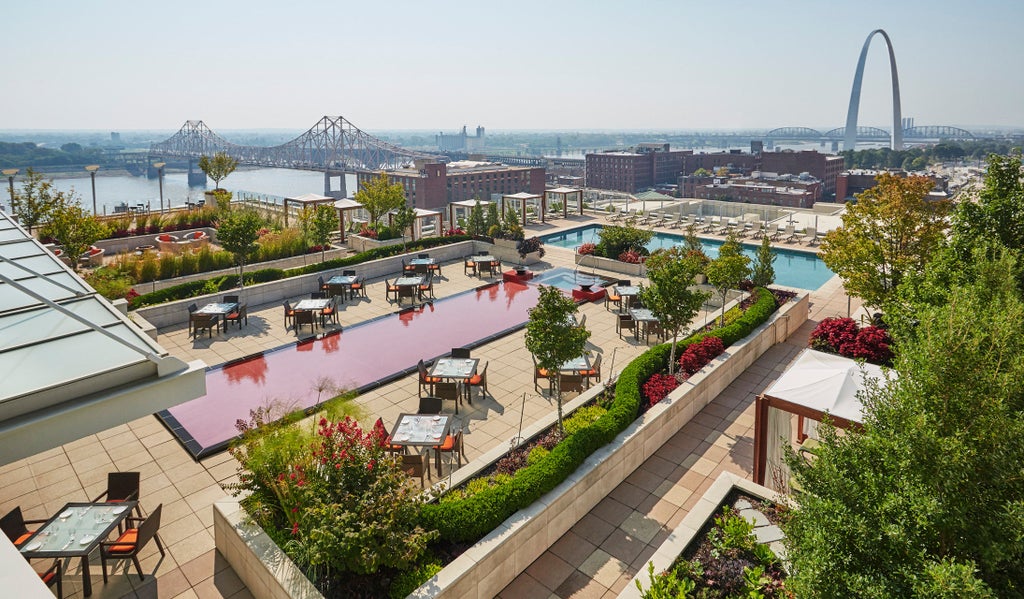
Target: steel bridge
{"points": [[333, 144], [868, 133]]}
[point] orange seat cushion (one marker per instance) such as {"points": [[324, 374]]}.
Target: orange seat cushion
{"points": [[449, 443], [326, 311], [357, 285], [542, 372], [476, 379], [23, 538], [615, 298], [48, 576], [588, 373], [125, 542], [232, 316]]}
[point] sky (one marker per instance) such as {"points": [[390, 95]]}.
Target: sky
{"points": [[554, 65]]}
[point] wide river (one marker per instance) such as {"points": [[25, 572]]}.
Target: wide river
{"points": [[114, 190]]}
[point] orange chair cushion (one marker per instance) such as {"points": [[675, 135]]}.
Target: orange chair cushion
{"points": [[325, 312], [542, 372], [290, 313], [449, 443], [125, 542], [588, 373], [23, 538], [232, 316], [615, 298], [357, 286], [47, 576], [476, 379]]}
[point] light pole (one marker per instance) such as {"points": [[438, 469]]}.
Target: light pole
{"points": [[10, 172], [160, 176], [92, 168]]}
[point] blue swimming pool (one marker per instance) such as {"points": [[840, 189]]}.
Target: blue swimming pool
{"points": [[793, 269], [566, 279]]}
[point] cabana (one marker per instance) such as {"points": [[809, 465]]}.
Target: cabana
{"points": [[417, 225], [564, 195], [816, 385], [465, 206], [523, 197], [344, 205], [305, 200]]}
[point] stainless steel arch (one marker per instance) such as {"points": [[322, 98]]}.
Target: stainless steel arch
{"points": [[850, 138]]}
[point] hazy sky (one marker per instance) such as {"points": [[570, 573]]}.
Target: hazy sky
{"points": [[590, 64]]}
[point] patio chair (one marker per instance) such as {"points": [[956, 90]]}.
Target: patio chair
{"points": [[469, 267], [453, 445], [131, 542], [612, 297], [755, 230], [330, 312], [415, 465], [430, 405], [204, 321], [318, 295], [810, 235], [389, 289], [583, 322], [625, 322], [461, 353], [478, 380], [320, 284], [348, 273], [302, 318], [427, 288], [540, 373], [191, 310], [15, 526], [435, 268], [485, 266], [357, 288], [448, 391], [52, 576], [121, 486], [422, 270], [570, 383], [407, 291], [790, 233], [407, 268], [289, 315], [426, 380], [594, 372], [240, 314], [231, 299]]}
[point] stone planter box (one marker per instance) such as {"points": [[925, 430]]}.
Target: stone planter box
{"points": [[490, 565], [121, 245], [361, 244], [701, 514], [591, 261]]}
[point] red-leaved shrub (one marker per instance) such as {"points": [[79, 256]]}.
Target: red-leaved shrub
{"points": [[698, 355], [630, 257], [586, 249], [842, 336], [833, 333], [659, 386]]}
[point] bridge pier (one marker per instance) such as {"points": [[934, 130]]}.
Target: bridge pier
{"points": [[195, 178], [339, 193]]}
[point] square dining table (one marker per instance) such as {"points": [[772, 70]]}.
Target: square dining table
{"points": [[645, 317], [420, 430], [75, 531], [315, 305], [220, 310], [454, 368], [627, 293], [345, 282]]}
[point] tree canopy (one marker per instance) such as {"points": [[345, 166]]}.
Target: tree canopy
{"points": [[891, 230], [318, 224], [728, 270], [237, 233], [218, 167], [75, 229], [379, 196], [37, 199], [996, 211], [671, 273], [762, 272]]}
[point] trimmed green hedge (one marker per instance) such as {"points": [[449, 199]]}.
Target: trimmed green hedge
{"points": [[470, 519], [227, 282]]}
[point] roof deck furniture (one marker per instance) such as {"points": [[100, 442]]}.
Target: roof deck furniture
{"points": [[15, 526], [426, 380], [237, 316], [289, 314], [460, 370], [408, 286], [469, 266], [415, 465], [540, 373], [429, 405], [420, 430], [483, 265], [330, 312], [570, 383], [342, 284], [75, 531], [406, 267], [594, 372], [449, 391], [131, 542], [206, 322], [219, 310], [646, 319], [52, 576], [461, 353], [624, 323], [613, 297], [628, 293], [191, 311], [302, 318], [452, 445], [476, 381], [391, 288], [427, 289]]}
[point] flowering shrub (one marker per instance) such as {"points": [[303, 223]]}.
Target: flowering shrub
{"points": [[658, 387], [367, 232], [630, 257], [842, 336], [586, 249], [454, 231], [698, 355], [335, 498]]}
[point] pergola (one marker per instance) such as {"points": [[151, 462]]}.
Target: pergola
{"points": [[563, 194], [417, 226], [466, 205], [654, 196], [344, 205], [306, 199], [817, 385], [523, 197]]}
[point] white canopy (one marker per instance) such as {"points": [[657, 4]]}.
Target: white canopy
{"points": [[311, 198], [347, 204], [471, 203], [826, 383]]}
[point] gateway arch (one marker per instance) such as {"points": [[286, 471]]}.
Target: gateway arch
{"points": [[850, 138]]}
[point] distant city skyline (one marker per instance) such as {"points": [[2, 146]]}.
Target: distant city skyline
{"points": [[429, 67]]}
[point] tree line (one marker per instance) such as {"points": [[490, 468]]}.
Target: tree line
{"points": [[920, 158]]}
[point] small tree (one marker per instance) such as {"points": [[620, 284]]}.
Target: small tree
{"points": [[75, 229], [237, 233], [317, 225], [763, 271], [728, 270], [493, 218], [476, 225], [38, 199], [218, 167], [671, 272], [553, 337], [404, 218], [379, 196]]}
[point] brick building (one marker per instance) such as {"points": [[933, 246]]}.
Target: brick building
{"points": [[735, 160], [640, 168], [434, 185], [824, 167], [786, 190], [851, 183]]}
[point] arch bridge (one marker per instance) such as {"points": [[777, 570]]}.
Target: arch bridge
{"points": [[937, 132]]}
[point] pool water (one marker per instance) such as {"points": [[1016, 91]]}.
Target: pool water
{"points": [[566, 279], [792, 269]]}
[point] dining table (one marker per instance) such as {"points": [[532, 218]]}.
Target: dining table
{"points": [[314, 305], [644, 317], [220, 310], [342, 282], [75, 531], [421, 430], [409, 281], [628, 293]]}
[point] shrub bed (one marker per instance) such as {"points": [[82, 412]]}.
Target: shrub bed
{"points": [[842, 336]]}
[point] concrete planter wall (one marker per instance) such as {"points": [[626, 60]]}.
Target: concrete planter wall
{"points": [[687, 530], [505, 250], [490, 565], [266, 571], [175, 313], [592, 261], [121, 245], [362, 244]]}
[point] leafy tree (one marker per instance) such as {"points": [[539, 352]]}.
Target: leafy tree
{"points": [[892, 229], [37, 200], [218, 167], [237, 233], [492, 217], [477, 225], [728, 270], [671, 272], [403, 218], [553, 337], [702, 172], [378, 197], [763, 272], [616, 240], [318, 224], [511, 228], [997, 210], [926, 500], [75, 229]]}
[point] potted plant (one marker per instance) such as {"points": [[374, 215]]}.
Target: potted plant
{"points": [[532, 245]]}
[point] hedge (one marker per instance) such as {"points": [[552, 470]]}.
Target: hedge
{"points": [[227, 282], [469, 519]]}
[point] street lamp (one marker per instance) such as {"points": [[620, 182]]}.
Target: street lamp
{"points": [[92, 168], [10, 172], [160, 176]]}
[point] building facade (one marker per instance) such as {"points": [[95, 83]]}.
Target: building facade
{"points": [[461, 141], [824, 167], [760, 188], [433, 185], [631, 171]]}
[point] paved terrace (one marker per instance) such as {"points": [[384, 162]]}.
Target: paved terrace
{"points": [[595, 559]]}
